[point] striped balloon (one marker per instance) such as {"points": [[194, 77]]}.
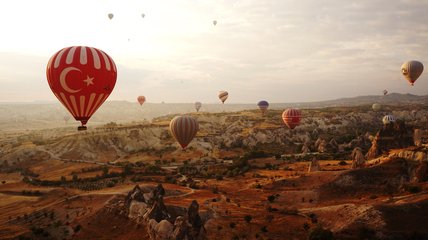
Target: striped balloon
{"points": [[411, 70], [223, 96], [388, 119], [184, 129], [291, 117], [198, 106], [263, 106], [141, 100], [81, 78]]}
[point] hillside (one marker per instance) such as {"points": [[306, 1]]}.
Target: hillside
{"points": [[30, 116], [244, 175]]}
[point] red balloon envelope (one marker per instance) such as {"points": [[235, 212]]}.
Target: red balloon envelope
{"points": [[291, 117], [141, 100], [81, 78]]}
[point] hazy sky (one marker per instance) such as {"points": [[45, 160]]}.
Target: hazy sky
{"points": [[277, 50]]}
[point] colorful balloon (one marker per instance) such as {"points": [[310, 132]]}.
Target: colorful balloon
{"points": [[411, 70], [184, 129], [198, 106], [141, 100], [110, 16], [388, 119], [263, 106], [223, 96], [81, 78], [291, 117], [376, 107]]}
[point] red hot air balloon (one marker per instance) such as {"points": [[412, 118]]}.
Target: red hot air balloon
{"points": [[184, 129], [81, 78], [291, 117], [141, 100]]}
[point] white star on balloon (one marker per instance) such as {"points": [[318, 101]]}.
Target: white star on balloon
{"points": [[89, 80]]}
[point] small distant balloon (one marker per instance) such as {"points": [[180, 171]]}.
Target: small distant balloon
{"points": [[388, 119], [198, 106], [215, 22], [376, 107], [411, 71], [263, 106], [141, 100], [223, 96], [184, 129], [66, 118], [291, 117], [143, 15], [110, 16], [385, 92]]}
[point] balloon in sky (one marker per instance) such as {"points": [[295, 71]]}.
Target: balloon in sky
{"points": [[198, 106], [291, 117], [184, 129], [223, 96], [81, 78], [141, 100], [411, 70], [66, 118], [143, 15], [385, 92], [263, 106], [376, 107], [110, 16], [388, 119], [215, 22]]}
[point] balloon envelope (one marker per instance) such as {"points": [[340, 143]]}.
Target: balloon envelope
{"points": [[141, 100], [184, 129], [388, 119], [110, 16], [263, 106], [376, 107], [215, 22], [81, 78], [143, 15], [198, 106], [385, 92], [223, 96], [411, 71], [291, 117]]}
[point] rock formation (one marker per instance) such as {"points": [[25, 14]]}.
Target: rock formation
{"points": [[358, 159], [163, 223], [393, 135], [314, 166]]}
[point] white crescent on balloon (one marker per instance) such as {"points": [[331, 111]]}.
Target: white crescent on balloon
{"points": [[62, 79]]}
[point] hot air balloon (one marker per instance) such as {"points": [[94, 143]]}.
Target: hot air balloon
{"points": [[215, 22], [223, 96], [110, 16], [141, 100], [291, 117], [376, 107], [263, 106], [388, 119], [198, 106], [143, 15], [81, 78], [411, 70], [385, 92], [184, 129]]}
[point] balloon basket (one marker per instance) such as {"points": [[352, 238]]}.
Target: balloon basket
{"points": [[81, 128]]}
